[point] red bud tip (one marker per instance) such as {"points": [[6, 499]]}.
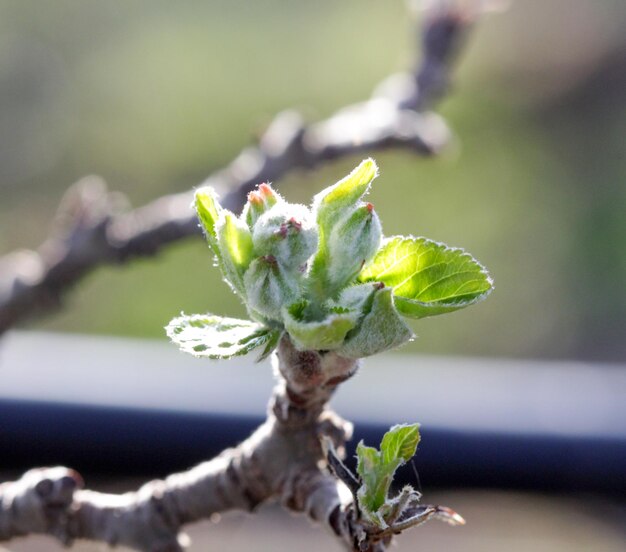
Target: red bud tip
{"points": [[255, 198], [282, 231], [266, 190], [379, 285], [295, 224], [285, 226], [370, 207]]}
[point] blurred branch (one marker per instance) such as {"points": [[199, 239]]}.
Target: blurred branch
{"points": [[91, 228]]}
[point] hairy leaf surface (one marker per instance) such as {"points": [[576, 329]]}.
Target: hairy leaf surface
{"points": [[235, 244], [208, 210], [376, 479], [427, 277], [400, 442], [380, 330], [325, 334], [377, 468], [345, 193], [206, 335], [330, 207]]}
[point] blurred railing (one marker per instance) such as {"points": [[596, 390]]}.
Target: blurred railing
{"points": [[121, 406]]}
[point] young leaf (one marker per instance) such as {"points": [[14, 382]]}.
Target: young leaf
{"points": [[208, 210], [368, 459], [381, 329], [346, 192], [206, 335], [235, 243], [358, 297], [330, 207], [325, 334], [377, 468], [400, 442], [375, 476], [272, 343], [427, 277]]}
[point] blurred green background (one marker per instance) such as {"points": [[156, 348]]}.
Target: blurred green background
{"points": [[154, 95]]}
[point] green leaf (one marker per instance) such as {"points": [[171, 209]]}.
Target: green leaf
{"points": [[381, 329], [235, 244], [319, 335], [271, 344], [400, 442], [205, 335], [229, 238], [427, 277], [208, 210], [377, 468], [368, 460], [358, 297], [346, 192], [236, 239], [330, 207], [375, 476]]}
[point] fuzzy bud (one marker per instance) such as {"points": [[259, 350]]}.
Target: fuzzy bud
{"points": [[269, 287], [352, 242], [259, 202], [288, 233], [341, 215]]}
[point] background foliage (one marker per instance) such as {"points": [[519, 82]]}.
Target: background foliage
{"points": [[154, 95]]}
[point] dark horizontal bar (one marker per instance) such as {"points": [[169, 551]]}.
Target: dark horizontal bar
{"points": [[130, 442]]}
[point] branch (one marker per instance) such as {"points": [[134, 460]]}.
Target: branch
{"points": [[91, 228], [281, 460]]}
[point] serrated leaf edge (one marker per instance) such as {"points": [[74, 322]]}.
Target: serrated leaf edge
{"points": [[439, 303], [254, 327]]}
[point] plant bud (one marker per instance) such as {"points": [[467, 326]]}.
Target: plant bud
{"points": [[288, 233], [331, 208], [352, 242], [260, 201], [269, 287]]}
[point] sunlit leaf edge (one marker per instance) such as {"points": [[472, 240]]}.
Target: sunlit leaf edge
{"points": [[258, 336], [413, 308]]}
